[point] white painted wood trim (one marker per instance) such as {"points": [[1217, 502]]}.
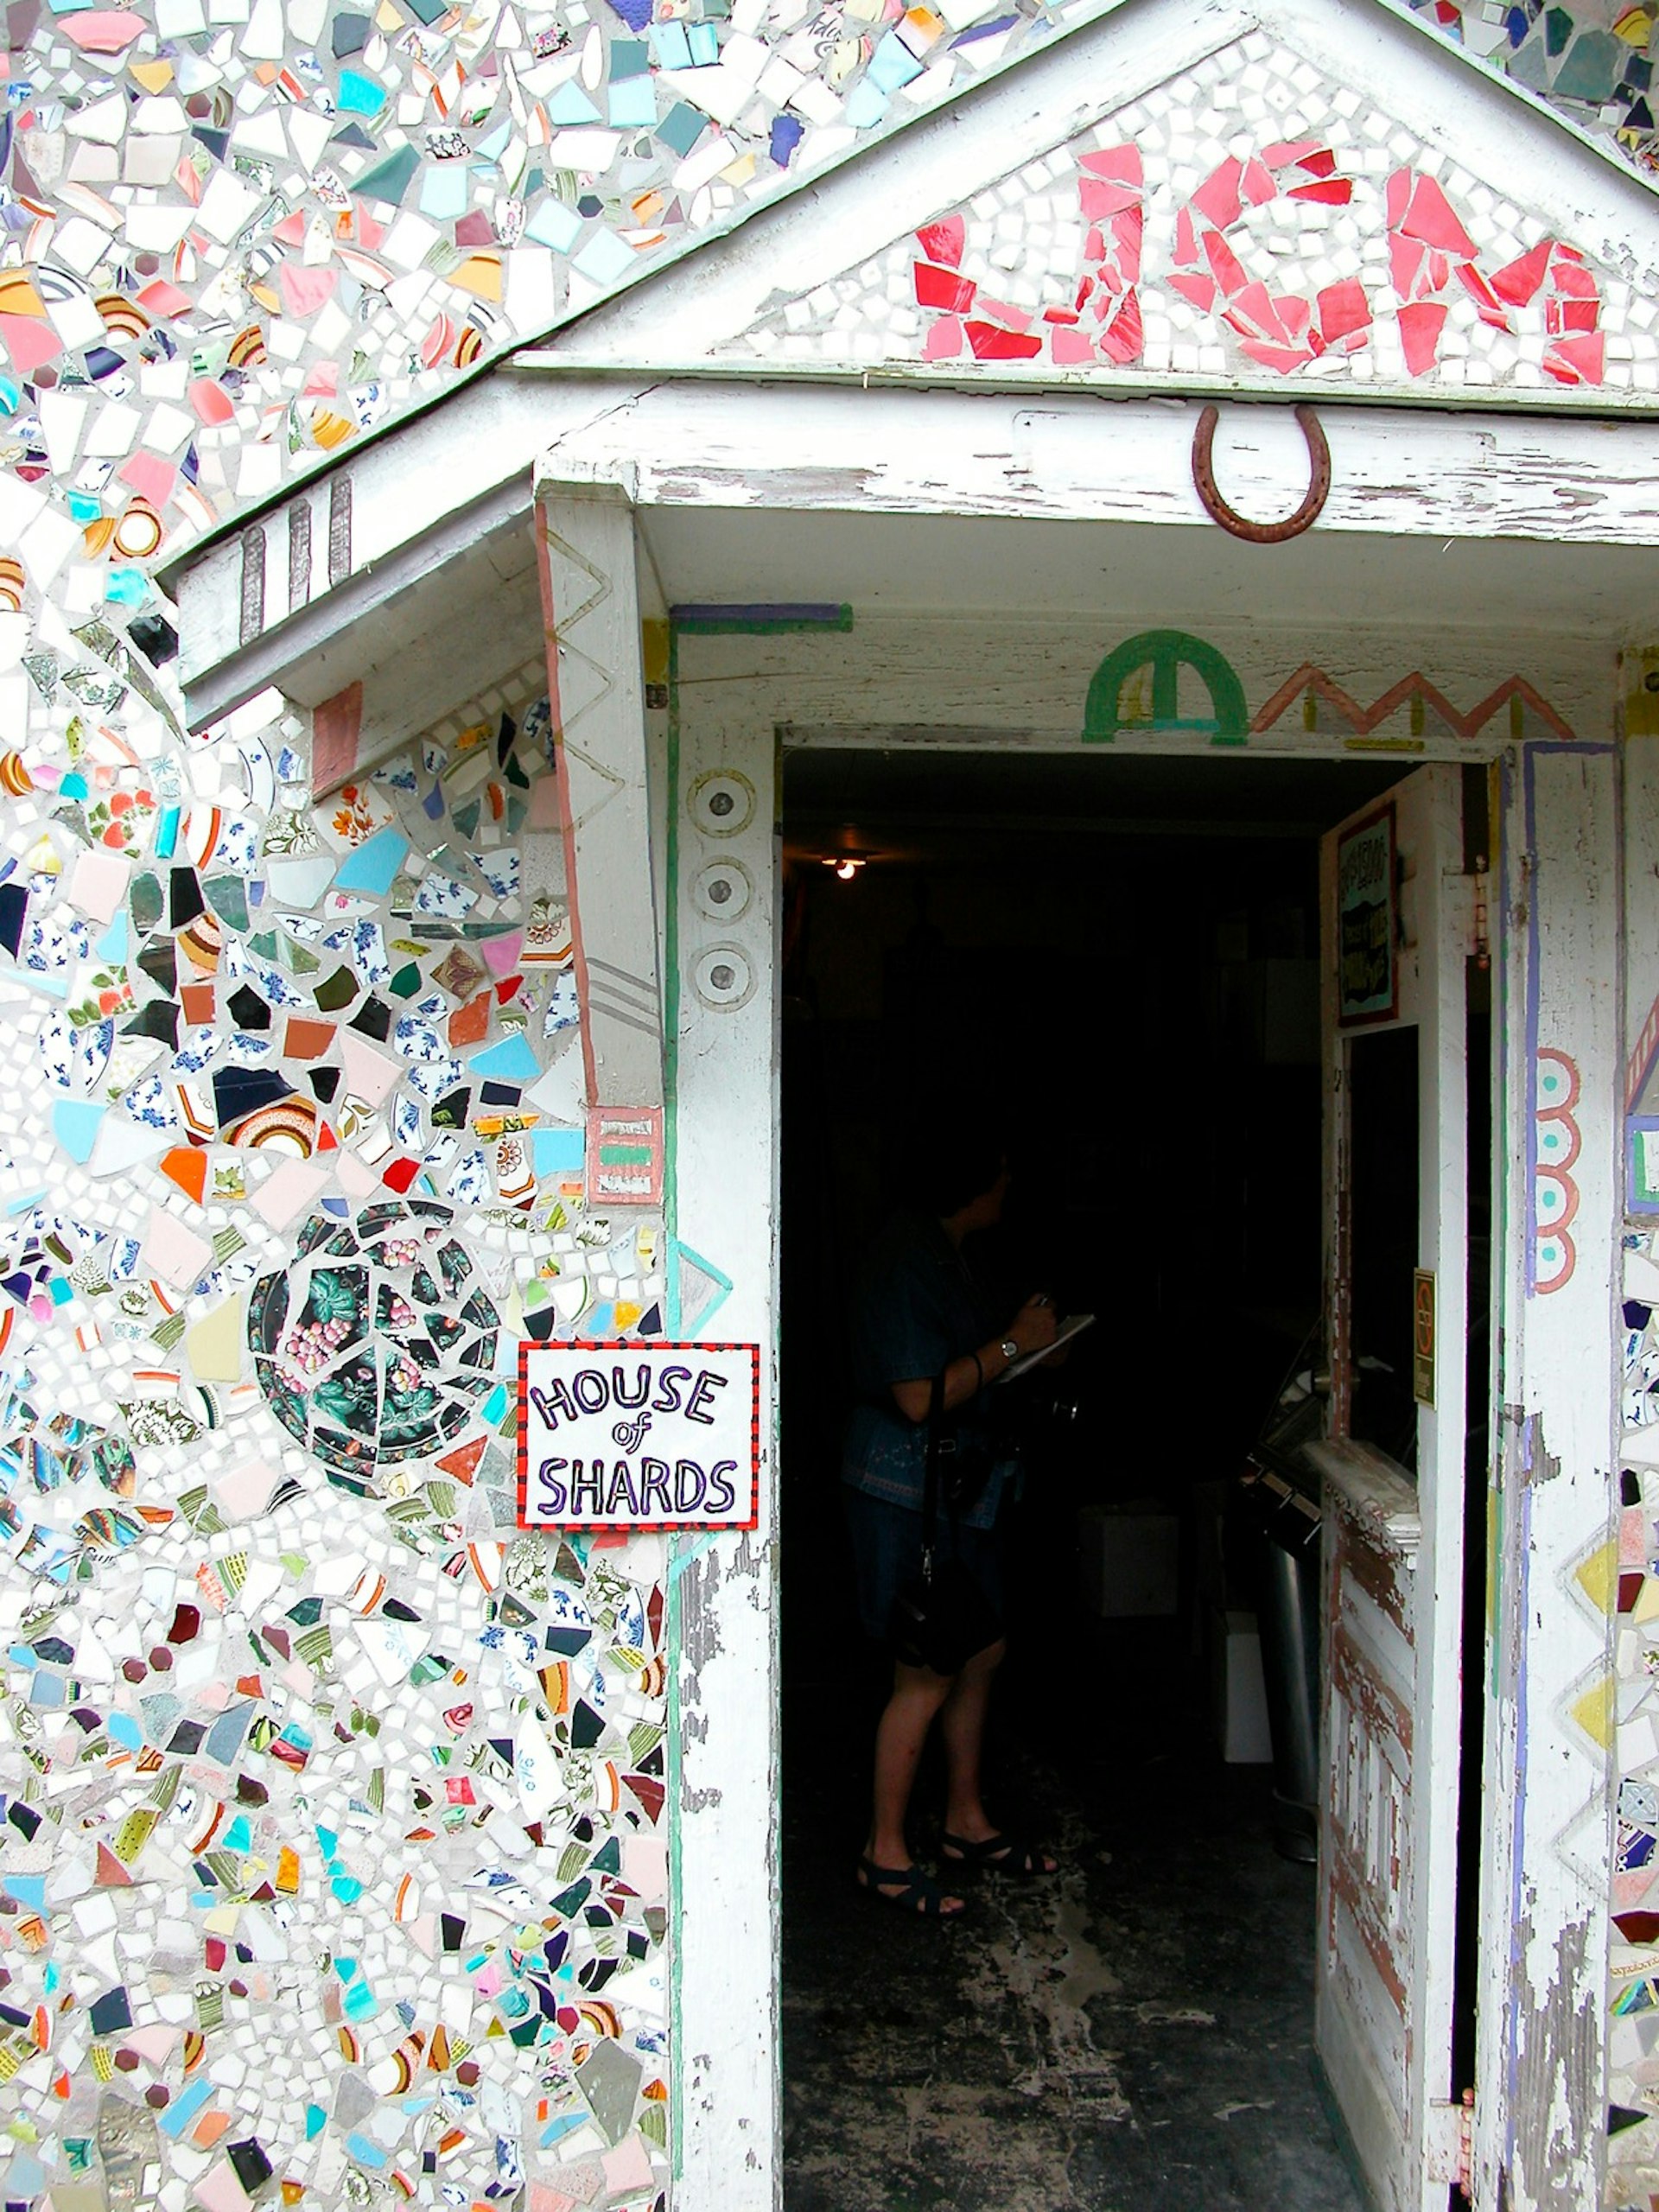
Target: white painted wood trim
{"points": [[727, 2085], [1375, 1494]]}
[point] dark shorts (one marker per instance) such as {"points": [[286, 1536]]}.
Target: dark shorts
{"points": [[887, 1550]]}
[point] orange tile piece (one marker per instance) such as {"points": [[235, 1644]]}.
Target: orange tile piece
{"points": [[463, 1463], [470, 1024], [208, 2129], [186, 1165], [198, 1000], [305, 1039]]}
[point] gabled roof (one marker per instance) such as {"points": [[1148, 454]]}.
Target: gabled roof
{"points": [[1319, 197], [1257, 195]]}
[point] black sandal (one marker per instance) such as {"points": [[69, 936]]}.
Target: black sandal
{"points": [[997, 1855], [906, 1889]]}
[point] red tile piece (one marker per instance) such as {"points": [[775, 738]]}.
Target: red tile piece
{"points": [[1577, 360], [1125, 334], [941, 288], [943, 240], [400, 1175], [1325, 192], [1518, 281], [990, 344]]}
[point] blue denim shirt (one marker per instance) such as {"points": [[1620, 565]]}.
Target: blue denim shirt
{"points": [[916, 1308]]}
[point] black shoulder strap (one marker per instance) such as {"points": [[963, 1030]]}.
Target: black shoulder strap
{"points": [[930, 1474]]}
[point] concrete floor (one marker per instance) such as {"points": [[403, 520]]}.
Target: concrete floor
{"points": [[1135, 2034]]}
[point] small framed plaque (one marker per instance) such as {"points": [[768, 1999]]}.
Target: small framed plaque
{"points": [[627, 1437]]}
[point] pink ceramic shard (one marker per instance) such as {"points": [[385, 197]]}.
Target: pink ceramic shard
{"points": [[1121, 164], [30, 342], [1429, 217], [1255, 302], [1295, 313], [1100, 199], [943, 339], [1257, 184], [1186, 239], [1129, 229], [1283, 151], [304, 290], [1071, 347], [1284, 360], [212, 404], [1406, 259], [1344, 308], [150, 476], [1217, 198], [1568, 275], [1229, 270], [1003, 312], [103, 30], [158, 297], [1421, 325], [1201, 290]]}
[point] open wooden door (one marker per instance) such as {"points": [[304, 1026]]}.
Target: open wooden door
{"points": [[1397, 914]]}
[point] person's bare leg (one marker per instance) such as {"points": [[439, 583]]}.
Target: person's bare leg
{"points": [[962, 1724], [918, 1694]]}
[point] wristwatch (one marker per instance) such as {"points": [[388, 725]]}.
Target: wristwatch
{"points": [[1009, 1349]]}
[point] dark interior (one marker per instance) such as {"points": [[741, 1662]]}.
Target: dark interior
{"points": [[1117, 955]]}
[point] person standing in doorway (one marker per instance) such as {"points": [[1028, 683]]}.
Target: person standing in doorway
{"points": [[920, 1313]]}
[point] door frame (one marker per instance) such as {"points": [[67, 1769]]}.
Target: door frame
{"points": [[1547, 906]]}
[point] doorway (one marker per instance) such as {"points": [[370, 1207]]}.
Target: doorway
{"points": [[1117, 956]]}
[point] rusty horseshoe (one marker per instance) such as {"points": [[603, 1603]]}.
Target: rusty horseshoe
{"points": [[1263, 533]]}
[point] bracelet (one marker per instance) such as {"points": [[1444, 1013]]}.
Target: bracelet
{"points": [[979, 1370]]}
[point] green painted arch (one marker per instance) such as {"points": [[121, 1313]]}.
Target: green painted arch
{"points": [[1167, 651]]}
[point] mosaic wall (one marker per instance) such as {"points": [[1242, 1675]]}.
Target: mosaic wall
{"points": [[1335, 252], [331, 1857]]}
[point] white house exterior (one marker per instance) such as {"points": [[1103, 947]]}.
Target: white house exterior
{"points": [[464, 1012]]}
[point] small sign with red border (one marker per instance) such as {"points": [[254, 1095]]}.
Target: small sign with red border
{"points": [[625, 1437]]}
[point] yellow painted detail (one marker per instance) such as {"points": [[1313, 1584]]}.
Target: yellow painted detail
{"points": [[1598, 1577], [1594, 1712]]}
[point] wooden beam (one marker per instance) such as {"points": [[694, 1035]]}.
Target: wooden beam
{"points": [[586, 563]]}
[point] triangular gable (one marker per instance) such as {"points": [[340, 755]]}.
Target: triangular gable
{"points": [[1294, 195]]}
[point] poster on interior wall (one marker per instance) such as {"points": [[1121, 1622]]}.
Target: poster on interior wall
{"points": [[628, 1437], [1368, 921]]}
